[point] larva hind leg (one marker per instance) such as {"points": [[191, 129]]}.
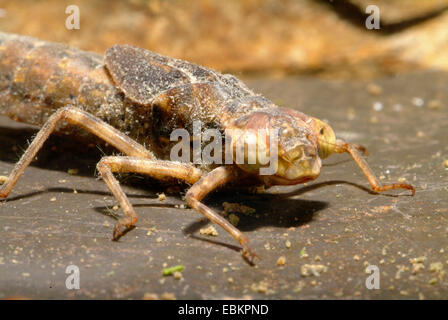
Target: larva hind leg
{"points": [[82, 119]]}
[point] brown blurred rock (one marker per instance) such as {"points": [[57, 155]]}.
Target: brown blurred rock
{"points": [[424, 45], [396, 11], [292, 36]]}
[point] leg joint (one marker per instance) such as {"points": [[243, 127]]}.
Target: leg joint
{"points": [[103, 164]]}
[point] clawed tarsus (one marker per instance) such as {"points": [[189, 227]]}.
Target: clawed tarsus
{"points": [[353, 150]]}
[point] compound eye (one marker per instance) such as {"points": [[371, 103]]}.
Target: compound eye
{"points": [[322, 131], [326, 138]]}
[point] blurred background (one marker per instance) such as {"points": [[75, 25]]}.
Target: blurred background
{"points": [[385, 89], [323, 37]]}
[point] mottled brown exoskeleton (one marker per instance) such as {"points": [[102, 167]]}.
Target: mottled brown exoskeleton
{"points": [[133, 99]]}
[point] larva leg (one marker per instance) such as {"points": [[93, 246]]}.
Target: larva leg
{"points": [[80, 118], [200, 189], [158, 169], [352, 149]]}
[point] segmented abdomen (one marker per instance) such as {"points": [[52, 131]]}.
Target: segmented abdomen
{"points": [[38, 77]]}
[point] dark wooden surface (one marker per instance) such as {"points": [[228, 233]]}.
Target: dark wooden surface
{"points": [[45, 226]]}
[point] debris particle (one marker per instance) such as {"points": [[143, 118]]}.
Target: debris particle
{"points": [[150, 296], [378, 106], [281, 261], [416, 267], [436, 267], [73, 171], [159, 239], [339, 293], [418, 102], [53, 199], [417, 264], [210, 231], [420, 134], [177, 275], [168, 296], [234, 219], [356, 257], [3, 179], [417, 260], [170, 271], [374, 89], [317, 258], [400, 270], [261, 287], [303, 253], [161, 196], [434, 104], [230, 280], [445, 163], [288, 244], [115, 208], [313, 269], [433, 281]]}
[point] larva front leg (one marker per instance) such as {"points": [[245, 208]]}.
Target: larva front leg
{"points": [[352, 149], [207, 184]]}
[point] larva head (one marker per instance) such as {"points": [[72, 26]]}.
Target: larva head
{"points": [[288, 143], [326, 139]]}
